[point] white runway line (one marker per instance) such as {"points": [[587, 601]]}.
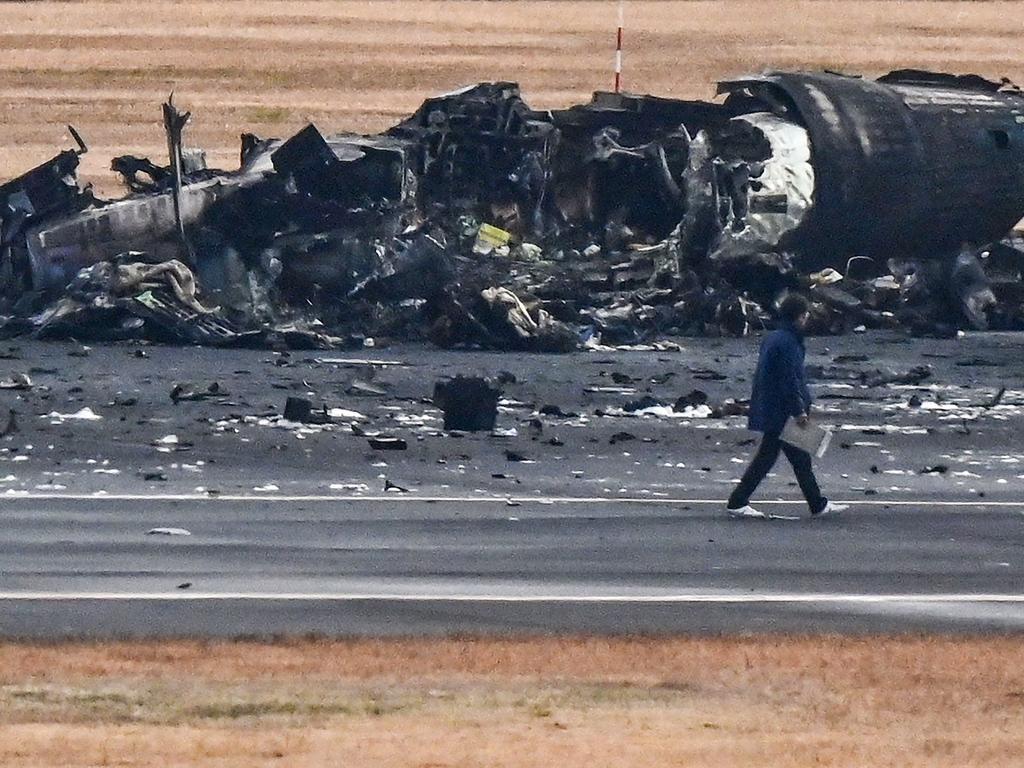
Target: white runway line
{"points": [[413, 499], [799, 598]]}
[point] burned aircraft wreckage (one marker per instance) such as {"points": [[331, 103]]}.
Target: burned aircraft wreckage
{"points": [[480, 221]]}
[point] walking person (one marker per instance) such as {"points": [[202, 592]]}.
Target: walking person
{"points": [[780, 393]]}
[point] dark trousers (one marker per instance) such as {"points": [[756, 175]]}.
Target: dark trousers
{"points": [[762, 463]]}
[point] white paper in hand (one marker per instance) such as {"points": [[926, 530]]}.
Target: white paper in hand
{"points": [[813, 438]]}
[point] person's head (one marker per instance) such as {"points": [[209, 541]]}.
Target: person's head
{"points": [[795, 310]]}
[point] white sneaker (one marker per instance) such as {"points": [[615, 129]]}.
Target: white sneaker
{"points": [[831, 508], [746, 511]]}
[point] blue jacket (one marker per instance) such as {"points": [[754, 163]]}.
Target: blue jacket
{"points": [[780, 390]]}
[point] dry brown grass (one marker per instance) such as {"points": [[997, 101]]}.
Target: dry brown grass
{"points": [[360, 64], [516, 703]]}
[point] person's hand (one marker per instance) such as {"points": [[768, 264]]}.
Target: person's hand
{"points": [[803, 420]]}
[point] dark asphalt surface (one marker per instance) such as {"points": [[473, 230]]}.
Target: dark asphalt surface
{"points": [[291, 531], [411, 567]]}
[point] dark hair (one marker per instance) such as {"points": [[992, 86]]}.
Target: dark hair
{"points": [[793, 306]]}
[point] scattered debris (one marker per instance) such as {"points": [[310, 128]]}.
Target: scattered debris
{"points": [[359, 388], [554, 410], [168, 532], [183, 392], [298, 409], [642, 404], [997, 398], [11, 427], [388, 443], [17, 381], [913, 377], [469, 404], [691, 400]]}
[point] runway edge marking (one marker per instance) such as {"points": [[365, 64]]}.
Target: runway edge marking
{"points": [[800, 598]]}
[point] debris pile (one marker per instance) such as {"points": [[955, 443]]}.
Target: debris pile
{"points": [[479, 221]]}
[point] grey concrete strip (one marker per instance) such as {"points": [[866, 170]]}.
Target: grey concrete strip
{"points": [[88, 568], [723, 599]]}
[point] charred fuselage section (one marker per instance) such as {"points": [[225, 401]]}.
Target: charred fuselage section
{"points": [[913, 165]]}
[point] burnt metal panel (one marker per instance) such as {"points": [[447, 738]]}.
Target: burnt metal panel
{"points": [[638, 118], [170, 318], [46, 188], [474, 143], [346, 168], [912, 165], [62, 245]]}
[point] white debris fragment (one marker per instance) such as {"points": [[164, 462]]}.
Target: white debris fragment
{"points": [[352, 361], [343, 414], [85, 414], [167, 440], [415, 420], [889, 429], [168, 532], [665, 412], [268, 488], [350, 487], [16, 381], [931, 405]]}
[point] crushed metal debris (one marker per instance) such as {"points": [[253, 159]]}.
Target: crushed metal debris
{"points": [[481, 222]]}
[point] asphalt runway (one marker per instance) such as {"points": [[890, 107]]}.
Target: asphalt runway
{"points": [[87, 567], [574, 515]]}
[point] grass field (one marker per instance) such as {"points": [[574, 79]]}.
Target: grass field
{"points": [[269, 67], [516, 703]]}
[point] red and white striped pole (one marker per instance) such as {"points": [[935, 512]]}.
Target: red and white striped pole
{"points": [[618, 47]]}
